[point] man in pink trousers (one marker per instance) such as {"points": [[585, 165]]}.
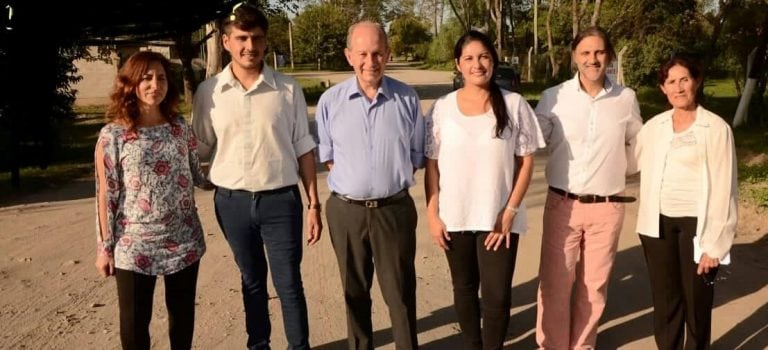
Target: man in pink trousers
{"points": [[588, 122]]}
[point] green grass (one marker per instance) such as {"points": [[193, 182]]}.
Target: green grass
{"points": [[313, 88]]}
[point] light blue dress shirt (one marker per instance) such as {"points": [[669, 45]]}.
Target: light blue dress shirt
{"points": [[374, 145]]}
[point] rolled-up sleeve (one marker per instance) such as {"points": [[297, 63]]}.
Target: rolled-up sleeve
{"points": [[322, 118], [202, 125], [303, 141]]}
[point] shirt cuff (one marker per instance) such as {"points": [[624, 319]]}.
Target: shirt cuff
{"points": [[325, 153], [417, 159], [105, 248], [304, 145]]}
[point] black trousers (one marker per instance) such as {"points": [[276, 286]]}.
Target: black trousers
{"points": [[387, 236], [682, 299], [474, 268], [134, 293]]}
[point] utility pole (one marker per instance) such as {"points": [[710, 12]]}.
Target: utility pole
{"points": [[290, 41], [535, 27]]}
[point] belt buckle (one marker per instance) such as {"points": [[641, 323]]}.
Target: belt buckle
{"points": [[371, 204], [588, 198]]}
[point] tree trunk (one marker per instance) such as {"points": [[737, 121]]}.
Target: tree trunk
{"points": [[595, 13], [620, 66], [463, 16], [756, 66], [494, 9], [535, 28], [575, 18], [186, 54], [530, 69], [213, 49], [550, 46]]}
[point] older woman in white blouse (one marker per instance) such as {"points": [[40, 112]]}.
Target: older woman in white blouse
{"points": [[687, 216]]}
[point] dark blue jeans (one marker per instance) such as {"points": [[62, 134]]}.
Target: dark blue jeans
{"points": [[252, 221]]}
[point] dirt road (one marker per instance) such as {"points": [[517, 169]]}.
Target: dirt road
{"points": [[52, 298]]}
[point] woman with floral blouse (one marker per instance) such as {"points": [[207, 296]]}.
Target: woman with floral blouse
{"points": [[146, 163]]}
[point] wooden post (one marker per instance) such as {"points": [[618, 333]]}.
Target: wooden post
{"points": [[290, 41]]}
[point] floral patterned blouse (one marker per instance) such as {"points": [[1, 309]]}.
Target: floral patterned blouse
{"points": [[152, 220]]}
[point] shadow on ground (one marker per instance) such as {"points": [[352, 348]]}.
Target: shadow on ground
{"points": [[629, 306]]}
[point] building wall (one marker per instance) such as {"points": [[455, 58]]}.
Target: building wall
{"points": [[98, 77]]}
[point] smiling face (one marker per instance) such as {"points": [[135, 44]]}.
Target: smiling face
{"points": [[368, 54], [247, 47], [680, 88], [591, 58], [153, 86], [475, 64]]}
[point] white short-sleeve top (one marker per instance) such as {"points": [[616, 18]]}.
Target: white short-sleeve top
{"points": [[477, 169]]}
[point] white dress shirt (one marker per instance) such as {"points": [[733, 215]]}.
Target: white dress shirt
{"points": [[588, 137], [254, 136], [717, 201]]}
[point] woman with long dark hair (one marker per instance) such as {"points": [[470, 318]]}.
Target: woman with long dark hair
{"points": [[480, 145]]}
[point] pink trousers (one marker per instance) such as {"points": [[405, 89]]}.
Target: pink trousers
{"points": [[577, 251]]}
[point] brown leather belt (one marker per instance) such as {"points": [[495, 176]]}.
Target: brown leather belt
{"points": [[592, 198], [372, 203]]}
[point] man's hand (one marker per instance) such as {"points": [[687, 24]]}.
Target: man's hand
{"points": [[314, 226]]}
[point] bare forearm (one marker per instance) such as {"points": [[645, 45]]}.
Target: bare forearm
{"points": [[104, 233], [431, 185], [308, 173], [522, 180]]}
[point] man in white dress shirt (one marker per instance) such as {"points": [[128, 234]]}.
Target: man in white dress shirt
{"points": [[588, 123], [252, 122]]}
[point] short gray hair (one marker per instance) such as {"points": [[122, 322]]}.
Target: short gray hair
{"points": [[379, 27]]}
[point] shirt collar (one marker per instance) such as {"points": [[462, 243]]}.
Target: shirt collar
{"points": [[607, 85], [351, 89], [702, 117], [227, 78]]}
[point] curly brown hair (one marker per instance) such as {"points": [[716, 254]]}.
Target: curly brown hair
{"points": [[124, 107]]}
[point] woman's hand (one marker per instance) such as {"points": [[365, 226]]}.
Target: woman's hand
{"points": [[105, 264], [438, 232], [706, 263], [501, 230]]}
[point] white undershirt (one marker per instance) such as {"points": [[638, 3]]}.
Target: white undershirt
{"points": [[681, 180]]}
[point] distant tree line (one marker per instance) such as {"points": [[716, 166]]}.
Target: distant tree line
{"points": [[723, 33]]}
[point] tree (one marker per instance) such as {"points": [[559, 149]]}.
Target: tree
{"points": [[497, 17], [441, 48], [45, 71], [433, 10], [409, 37], [279, 43], [551, 51], [467, 12], [320, 34]]}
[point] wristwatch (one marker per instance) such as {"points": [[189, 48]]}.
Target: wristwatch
{"points": [[314, 206]]}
